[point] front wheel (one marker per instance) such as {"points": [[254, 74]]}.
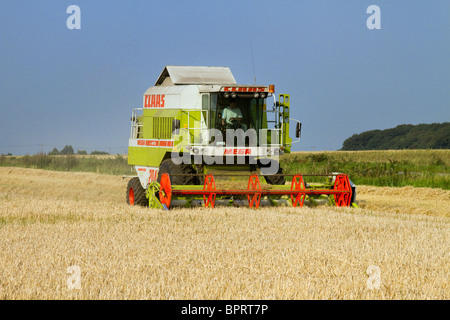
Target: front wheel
{"points": [[135, 193], [182, 174]]}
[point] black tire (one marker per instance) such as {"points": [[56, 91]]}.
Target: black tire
{"points": [[175, 172], [272, 179], [135, 193], [353, 200]]}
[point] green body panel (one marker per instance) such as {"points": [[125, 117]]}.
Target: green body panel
{"points": [[190, 122], [150, 157], [150, 114], [284, 114], [194, 122]]}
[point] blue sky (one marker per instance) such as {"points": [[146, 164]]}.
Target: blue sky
{"points": [[77, 87]]}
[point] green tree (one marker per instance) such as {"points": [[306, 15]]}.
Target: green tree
{"points": [[67, 150], [422, 136], [54, 152]]}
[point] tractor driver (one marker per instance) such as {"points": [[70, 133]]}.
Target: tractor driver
{"points": [[231, 115]]}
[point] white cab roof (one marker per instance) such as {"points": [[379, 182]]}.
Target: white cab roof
{"points": [[183, 75]]}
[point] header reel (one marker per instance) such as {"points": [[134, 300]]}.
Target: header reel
{"points": [[338, 192]]}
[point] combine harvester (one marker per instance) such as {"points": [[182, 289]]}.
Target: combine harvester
{"points": [[202, 139]]}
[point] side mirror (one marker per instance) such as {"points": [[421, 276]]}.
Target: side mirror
{"points": [[298, 130]]}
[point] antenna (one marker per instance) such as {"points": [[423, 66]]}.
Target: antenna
{"points": [[253, 60]]}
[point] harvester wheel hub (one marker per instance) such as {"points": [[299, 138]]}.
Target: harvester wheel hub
{"points": [[131, 196], [165, 193]]}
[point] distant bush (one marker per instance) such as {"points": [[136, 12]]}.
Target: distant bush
{"points": [[320, 157], [54, 152], [70, 162], [99, 152], [67, 150], [422, 136]]}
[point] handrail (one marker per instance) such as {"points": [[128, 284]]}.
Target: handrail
{"points": [[134, 123]]}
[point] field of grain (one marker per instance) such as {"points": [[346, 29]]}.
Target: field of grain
{"points": [[51, 221]]}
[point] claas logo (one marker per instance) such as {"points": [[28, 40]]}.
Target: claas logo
{"points": [[154, 101]]}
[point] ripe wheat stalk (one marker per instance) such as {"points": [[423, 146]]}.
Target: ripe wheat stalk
{"points": [[50, 221]]}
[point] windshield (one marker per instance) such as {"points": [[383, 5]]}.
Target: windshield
{"points": [[243, 113]]}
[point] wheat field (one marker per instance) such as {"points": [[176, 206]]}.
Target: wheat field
{"points": [[52, 221]]}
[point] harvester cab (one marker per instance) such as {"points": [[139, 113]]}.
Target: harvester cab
{"points": [[198, 126]]}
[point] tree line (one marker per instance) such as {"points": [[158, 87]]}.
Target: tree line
{"points": [[405, 136], [68, 150]]}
